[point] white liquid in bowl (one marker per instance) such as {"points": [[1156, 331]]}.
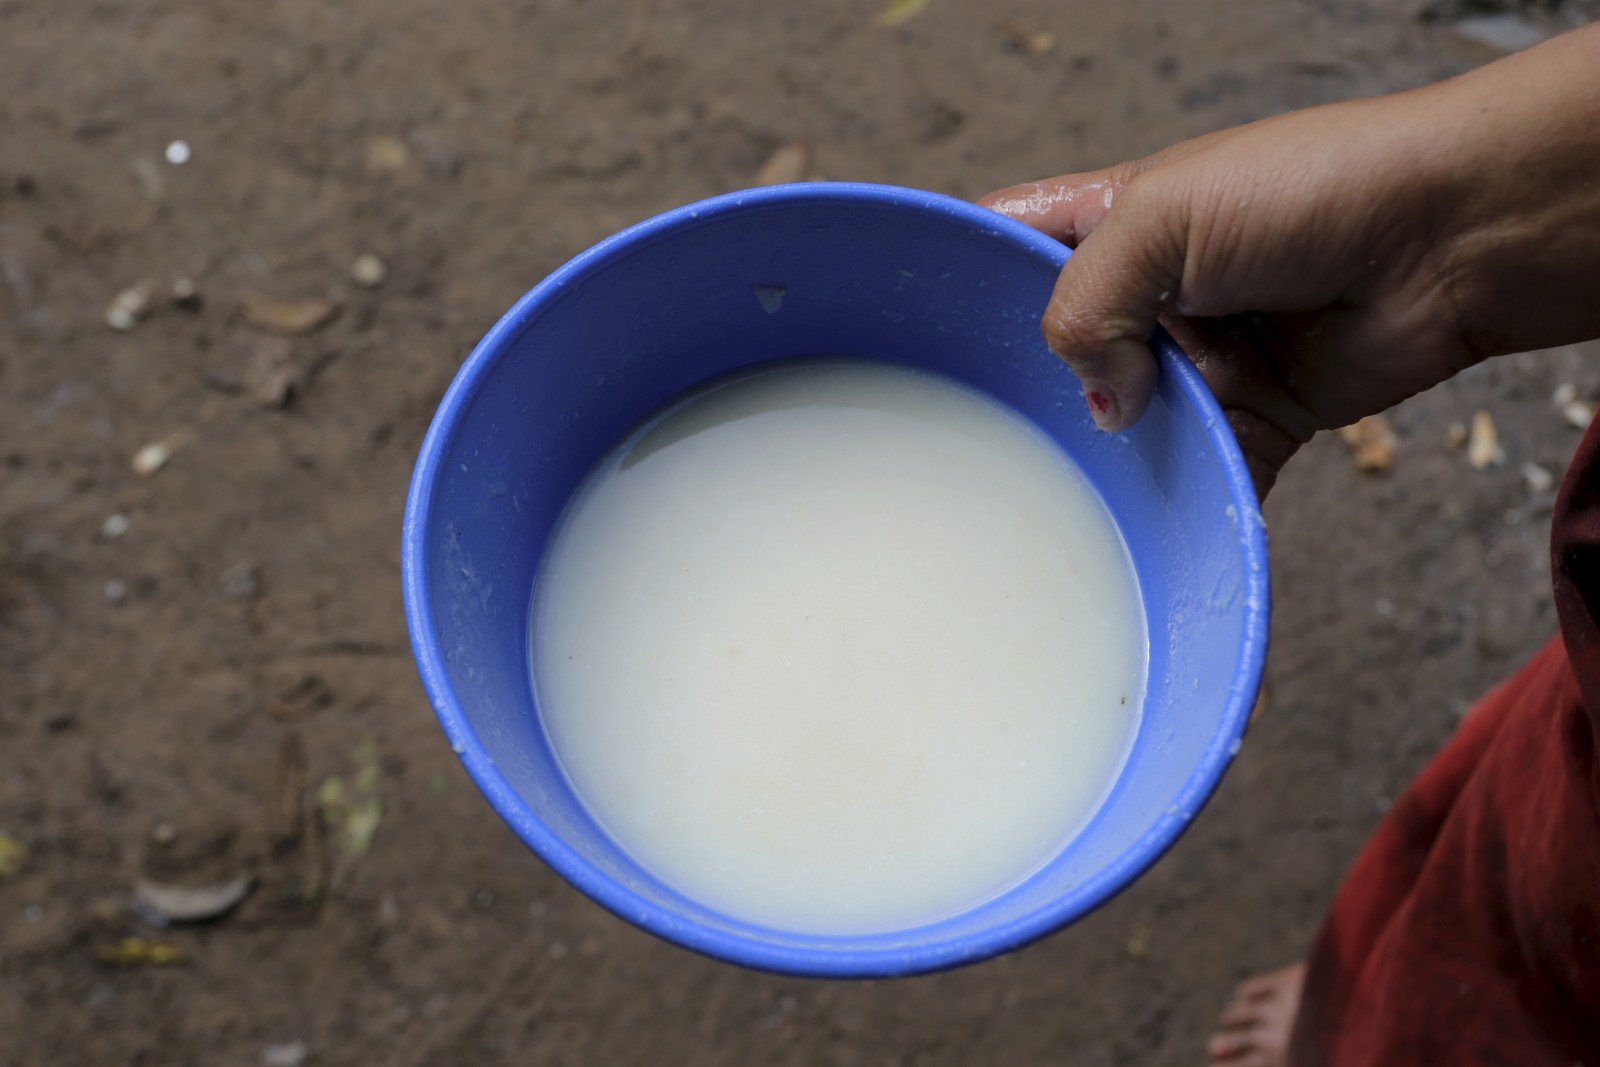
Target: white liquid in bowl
{"points": [[839, 647]]}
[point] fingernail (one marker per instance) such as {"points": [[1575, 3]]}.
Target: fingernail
{"points": [[1103, 406]]}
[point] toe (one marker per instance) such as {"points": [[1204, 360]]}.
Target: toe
{"points": [[1227, 1046], [1261, 987], [1237, 1016], [1282, 982]]}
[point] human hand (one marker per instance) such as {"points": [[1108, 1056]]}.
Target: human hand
{"points": [[1327, 264]]}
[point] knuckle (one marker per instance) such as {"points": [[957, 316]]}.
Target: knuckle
{"points": [[1085, 337]]}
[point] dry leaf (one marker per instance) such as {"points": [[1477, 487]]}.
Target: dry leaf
{"points": [[1263, 701], [1483, 443], [288, 788], [286, 317], [353, 814], [137, 952], [354, 819], [900, 12], [1026, 39], [1139, 942], [788, 163], [187, 904], [1372, 443], [387, 153], [13, 854], [1456, 435]]}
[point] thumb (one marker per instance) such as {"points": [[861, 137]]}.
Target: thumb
{"points": [[1106, 302]]}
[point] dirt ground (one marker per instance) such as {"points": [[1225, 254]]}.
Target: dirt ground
{"points": [[178, 687]]}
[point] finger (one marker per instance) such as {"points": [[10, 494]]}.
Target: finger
{"points": [[1266, 448], [1070, 206], [1107, 300], [1067, 208], [1268, 424]]}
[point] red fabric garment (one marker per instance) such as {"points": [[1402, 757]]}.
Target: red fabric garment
{"points": [[1468, 931]]}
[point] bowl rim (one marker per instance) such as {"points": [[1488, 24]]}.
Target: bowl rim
{"points": [[855, 956]]}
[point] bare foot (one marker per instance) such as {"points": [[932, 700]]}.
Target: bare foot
{"points": [[1254, 1029]]}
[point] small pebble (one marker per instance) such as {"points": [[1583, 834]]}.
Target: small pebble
{"points": [[128, 307], [1578, 414], [1539, 480], [1456, 434], [1026, 39], [558, 951], [185, 293], [151, 458], [102, 994], [114, 526], [178, 153], [240, 581], [271, 374], [1564, 394], [1506, 32], [368, 271], [483, 900], [33, 913], [288, 1054], [116, 591], [163, 833]]}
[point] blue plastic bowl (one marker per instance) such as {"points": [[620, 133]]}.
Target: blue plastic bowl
{"points": [[837, 269]]}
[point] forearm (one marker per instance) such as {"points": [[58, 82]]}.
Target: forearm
{"points": [[1519, 209]]}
